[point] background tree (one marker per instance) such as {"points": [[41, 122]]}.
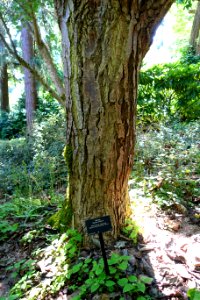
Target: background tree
{"points": [[37, 15], [195, 32], [4, 95], [29, 80]]}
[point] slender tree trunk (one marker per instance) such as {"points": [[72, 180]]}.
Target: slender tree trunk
{"points": [[195, 32], [29, 80], [4, 94], [106, 42]]}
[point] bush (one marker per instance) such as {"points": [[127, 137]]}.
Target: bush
{"points": [[167, 163], [170, 91], [34, 166], [13, 124]]}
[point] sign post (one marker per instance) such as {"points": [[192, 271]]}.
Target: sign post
{"points": [[98, 226]]}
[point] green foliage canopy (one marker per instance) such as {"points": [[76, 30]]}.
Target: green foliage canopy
{"points": [[170, 90]]}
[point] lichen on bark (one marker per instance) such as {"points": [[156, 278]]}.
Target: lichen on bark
{"points": [[68, 156], [62, 219]]}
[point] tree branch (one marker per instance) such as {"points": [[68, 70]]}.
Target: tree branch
{"points": [[13, 51], [33, 71], [8, 33], [44, 51]]}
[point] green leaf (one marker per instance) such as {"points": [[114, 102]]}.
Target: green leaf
{"points": [[14, 275], [76, 268], [115, 258], [112, 270], [141, 298], [110, 283], [123, 266], [89, 281], [141, 287], [102, 277], [87, 261], [98, 269], [129, 227], [122, 282], [73, 250], [95, 286], [127, 288], [146, 279], [11, 297], [193, 294], [132, 278], [76, 298]]}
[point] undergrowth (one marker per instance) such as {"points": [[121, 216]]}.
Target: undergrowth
{"points": [[35, 166], [21, 213], [83, 276], [167, 164]]}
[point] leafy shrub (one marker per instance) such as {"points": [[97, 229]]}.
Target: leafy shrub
{"points": [[12, 125], [15, 157], [167, 163], [170, 90], [30, 167]]}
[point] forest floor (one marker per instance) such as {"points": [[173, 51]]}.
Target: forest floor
{"points": [[38, 263], [168, 250], [169, 246]]}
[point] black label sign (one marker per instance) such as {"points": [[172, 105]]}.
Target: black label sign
{"points": [[98, 225]]}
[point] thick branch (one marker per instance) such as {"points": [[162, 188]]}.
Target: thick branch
{"points": [[151, 13], [9, 35], [47, 57], [33, 71], [13, 51]]}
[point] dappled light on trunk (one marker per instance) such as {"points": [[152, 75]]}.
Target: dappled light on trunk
{"points": [[103, 47]]}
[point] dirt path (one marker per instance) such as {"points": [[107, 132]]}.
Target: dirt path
{"points": [[170, 247]]}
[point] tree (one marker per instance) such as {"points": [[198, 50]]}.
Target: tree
{"points": [[4, 95], [29, 80], [104, 43], [195, 32], [12, 15]]}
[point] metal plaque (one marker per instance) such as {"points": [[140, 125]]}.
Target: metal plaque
{"points": [[98, 225]]}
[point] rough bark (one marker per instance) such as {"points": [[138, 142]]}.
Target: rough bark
{"points": [[29, 80], [195, 32], [107, 41]]}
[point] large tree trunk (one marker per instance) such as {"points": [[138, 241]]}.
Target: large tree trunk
{"points": [[107, 42], [29, 80], [195, 32]]}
